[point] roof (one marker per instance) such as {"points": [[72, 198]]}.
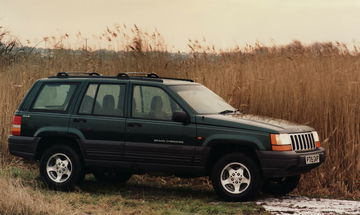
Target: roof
{"points": [[152, 77]]}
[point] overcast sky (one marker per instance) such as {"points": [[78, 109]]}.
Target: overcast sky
{"points": [[223, 23]]}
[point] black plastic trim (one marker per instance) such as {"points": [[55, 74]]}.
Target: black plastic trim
{"points": [[289, 163], [23, 146], [140, 167]]}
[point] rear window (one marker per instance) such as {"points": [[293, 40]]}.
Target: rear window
{"points": [[54, 97]]}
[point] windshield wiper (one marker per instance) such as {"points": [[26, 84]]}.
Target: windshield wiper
{"points": [[229, 111]]}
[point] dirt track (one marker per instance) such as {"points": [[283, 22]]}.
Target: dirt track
{"points": [[309, 206]]}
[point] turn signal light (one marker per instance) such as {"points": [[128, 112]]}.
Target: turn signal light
{"points": [[16, 126], [281, 148]]}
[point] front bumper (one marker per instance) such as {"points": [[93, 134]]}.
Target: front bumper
{"points": [[281, 164], [24, 147]]}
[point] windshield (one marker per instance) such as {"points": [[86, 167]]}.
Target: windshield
{"points": [[201, 99]]}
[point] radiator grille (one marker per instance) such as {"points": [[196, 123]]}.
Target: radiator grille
{"points": [[303, 141]]}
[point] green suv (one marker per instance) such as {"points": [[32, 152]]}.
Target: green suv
{"points": [[116, 126]]}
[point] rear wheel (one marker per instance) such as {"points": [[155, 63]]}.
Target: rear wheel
{"points": [[236, 177], [281, 186], [112, 177], [61, 167]]}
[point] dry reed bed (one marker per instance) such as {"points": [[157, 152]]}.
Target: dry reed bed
{"points": [[19, 200], [317, 85]]}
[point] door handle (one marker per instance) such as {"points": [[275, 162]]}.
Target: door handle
{"points": [[134, 124], [79, 120]]}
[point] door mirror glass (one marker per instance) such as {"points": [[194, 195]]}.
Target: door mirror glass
{"points": [[180, 117]]}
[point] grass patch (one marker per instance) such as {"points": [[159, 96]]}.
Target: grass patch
{"points": [[141, 195]]}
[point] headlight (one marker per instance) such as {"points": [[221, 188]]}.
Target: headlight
{"points": [[316, 136], [316, 139], [280, 142]]}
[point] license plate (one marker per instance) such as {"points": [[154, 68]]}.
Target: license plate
{"points": [[310, 159]]}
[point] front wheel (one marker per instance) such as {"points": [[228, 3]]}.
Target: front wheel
{"points": [[281, 186], [236, 177], [61, 167]]}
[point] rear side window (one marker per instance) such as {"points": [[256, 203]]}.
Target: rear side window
{"points": [[103, 99], [54, 97]]}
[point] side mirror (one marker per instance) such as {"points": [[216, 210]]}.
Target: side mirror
{"points": [[180, 117]]}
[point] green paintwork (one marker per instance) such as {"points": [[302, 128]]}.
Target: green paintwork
{"points": [[42, 123], [251, 122], [244, 129], [214, 128]]}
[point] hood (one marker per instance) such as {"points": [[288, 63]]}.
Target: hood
{"points": [[252, 122]]}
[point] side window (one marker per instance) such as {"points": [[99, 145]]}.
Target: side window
{"points": [[153, 103], [103, 99], [88, 100], [54, 97]]}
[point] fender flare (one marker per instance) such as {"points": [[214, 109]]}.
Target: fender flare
{"points": [[59, 132]]}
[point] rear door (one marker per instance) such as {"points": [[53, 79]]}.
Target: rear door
{"points": [[152, 136], [99, 120]]}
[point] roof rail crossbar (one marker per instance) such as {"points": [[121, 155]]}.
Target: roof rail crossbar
{"points": [[122, 75], [94, 74], [178, 79], [135, 74], [67, 74], [152, 75]]}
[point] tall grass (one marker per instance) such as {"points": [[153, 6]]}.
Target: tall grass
{"points": [[316, 85], [17, 199]]}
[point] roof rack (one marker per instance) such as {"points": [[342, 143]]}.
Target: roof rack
{"points": [[137, 74], [178, 79], [129, 75], [66, 74], [147, 75]]}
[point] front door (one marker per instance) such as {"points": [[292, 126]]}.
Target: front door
{"points": [[100, 121], [152, 136]]}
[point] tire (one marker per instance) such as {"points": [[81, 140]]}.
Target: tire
{"points": [[236, 177], [281, 186], [61, 168], [112, 177]]}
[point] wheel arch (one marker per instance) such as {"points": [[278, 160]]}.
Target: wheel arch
{"points": [[49, 139], [219, 148]]}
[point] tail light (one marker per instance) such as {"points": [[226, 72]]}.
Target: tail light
{"points": [[16, 126]]}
